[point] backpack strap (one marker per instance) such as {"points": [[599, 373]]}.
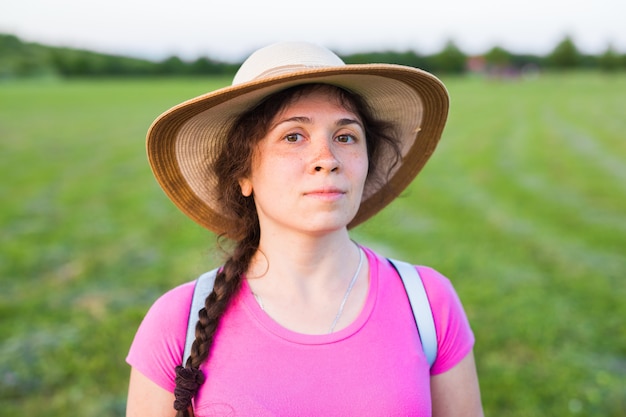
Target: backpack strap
{"points": [[412, 283], [421, 307], [203, 287]]}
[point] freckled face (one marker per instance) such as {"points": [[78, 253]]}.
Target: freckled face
{"points": [[309, 171]]}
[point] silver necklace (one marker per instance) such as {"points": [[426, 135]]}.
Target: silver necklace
{"points": [[345, 297]]}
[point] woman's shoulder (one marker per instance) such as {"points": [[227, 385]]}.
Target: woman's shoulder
{"points": [[170, 312], [435, 283], [159, 341], [173, 299]]}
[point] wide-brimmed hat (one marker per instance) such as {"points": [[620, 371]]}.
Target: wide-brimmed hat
{"points": [[182, 143]]}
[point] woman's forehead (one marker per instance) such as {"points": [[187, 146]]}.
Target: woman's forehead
{"points": [[319, 95]]}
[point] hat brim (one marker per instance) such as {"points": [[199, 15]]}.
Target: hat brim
{"points": [[182, 142]]}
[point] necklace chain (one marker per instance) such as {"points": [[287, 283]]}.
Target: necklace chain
{"points": [[345, 297]]}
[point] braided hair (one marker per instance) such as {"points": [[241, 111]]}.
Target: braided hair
{"points": [[234, 163]]}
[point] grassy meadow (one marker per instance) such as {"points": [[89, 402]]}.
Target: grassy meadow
{"points": [[523, 206]]}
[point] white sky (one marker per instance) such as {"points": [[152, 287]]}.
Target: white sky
{"points": [[231, 29]]}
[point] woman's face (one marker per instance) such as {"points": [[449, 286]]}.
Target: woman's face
{"points": [[309, 170]]}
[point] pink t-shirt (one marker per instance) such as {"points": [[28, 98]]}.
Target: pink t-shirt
{"points": [[373, 367]]}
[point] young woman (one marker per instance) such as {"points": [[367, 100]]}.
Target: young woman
{"points": [[302, 321]]}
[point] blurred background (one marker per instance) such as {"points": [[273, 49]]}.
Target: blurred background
{"points": [[523, 205]]}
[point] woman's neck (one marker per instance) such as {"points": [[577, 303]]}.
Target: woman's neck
{"points": [[305, 262], [302, 284]]}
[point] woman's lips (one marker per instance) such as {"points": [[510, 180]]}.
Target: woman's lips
{"points": [[328, 194]]}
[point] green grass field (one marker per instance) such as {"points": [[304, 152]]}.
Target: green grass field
{"points": [[523, 206]]}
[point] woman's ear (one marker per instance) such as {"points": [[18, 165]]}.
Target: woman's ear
{"points": [[246, 187]]}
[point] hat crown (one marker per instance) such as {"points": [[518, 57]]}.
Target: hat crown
{"points": [[283, 58]]}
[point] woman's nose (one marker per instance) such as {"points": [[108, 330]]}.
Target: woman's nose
{"points": [[324, 157]]}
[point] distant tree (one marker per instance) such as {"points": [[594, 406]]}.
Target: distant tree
{"points": [[10, 43], [207, 66], [565, 55], [498, 57], [610, 60], [172, 66], [202, 66], [83, 65], [61, 63], [409, 58], [450, 60], [18, 59]]}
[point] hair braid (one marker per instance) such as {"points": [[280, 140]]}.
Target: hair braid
{"points": [[227, 283]]}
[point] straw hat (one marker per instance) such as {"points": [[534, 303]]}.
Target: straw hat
{"points": [[182, 142]]}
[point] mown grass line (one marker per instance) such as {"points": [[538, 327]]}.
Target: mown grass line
{"points": [[523, 206]]}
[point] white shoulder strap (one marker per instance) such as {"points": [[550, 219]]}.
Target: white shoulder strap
{"points": [[421, 307], [204, 286], [412, 283]]}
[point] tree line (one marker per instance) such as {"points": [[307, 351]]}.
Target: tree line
{"points": [[20, 59]]}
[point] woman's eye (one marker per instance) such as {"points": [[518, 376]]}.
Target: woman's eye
{"points": [[346, 139], [293, 137]]}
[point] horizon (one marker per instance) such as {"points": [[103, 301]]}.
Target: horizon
{"points": [[418, 53], [231, 31]]}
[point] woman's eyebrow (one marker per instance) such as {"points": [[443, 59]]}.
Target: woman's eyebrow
{"points": [[307, 120], [347, 121], [297, 119]]}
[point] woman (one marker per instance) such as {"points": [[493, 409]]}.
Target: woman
{"points": [[301, 321]]}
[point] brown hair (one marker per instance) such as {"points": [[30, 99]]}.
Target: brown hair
{"points": [[233, 163]]}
